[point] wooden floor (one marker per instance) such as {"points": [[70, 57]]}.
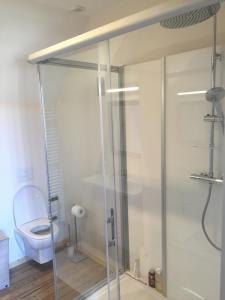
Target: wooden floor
{"points": [[34, 281]]}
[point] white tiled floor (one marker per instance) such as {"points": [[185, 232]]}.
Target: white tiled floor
{"points": [[130, 290]]}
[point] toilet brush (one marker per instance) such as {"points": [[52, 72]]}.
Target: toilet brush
{"points": [[70, 247]]}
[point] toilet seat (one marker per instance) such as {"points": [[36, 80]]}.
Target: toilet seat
{"points": [[37, 241], [26, 229]]}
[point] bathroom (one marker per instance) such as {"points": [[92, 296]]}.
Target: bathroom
{"points": [[114, 138]]}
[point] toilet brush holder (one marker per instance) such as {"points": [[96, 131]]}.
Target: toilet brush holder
{"points": [[73, 252], [77, 256]]}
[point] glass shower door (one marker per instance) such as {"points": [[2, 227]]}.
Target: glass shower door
{"points": [[81, 171]]}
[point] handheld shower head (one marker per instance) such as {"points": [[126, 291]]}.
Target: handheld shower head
{"points": [[191, 18], [216, 95]]}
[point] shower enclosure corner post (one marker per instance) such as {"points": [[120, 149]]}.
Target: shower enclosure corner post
{"points": [[123, 174], [222, 270], [163, 175], [41, 95]]}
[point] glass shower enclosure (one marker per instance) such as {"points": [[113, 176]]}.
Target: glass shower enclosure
{"points": [[127, 130]]}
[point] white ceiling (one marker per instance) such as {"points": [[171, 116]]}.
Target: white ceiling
{"points": [[92, 6]]}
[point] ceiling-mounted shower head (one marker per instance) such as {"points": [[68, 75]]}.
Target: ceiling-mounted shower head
{"points": [[191, 18]]}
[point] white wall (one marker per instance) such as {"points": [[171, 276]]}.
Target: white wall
{"points": [[24, 27]]}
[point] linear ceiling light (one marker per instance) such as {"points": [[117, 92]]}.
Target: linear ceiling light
{"points": [[126, 89], [191, 93]]}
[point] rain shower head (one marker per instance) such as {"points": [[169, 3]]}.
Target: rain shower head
{"points": [[191, 18]]}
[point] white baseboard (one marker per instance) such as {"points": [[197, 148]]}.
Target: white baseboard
{"points": [[18, 262]]}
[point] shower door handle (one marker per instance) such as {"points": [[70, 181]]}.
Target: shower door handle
{"points": [[111, 221]]}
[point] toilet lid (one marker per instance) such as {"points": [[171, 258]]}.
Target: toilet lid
{"points": [[29, 204], [27, 229]]}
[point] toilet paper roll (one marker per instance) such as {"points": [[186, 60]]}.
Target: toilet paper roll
{"points": [[78, 211]]}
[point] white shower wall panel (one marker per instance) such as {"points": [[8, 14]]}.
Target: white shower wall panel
{"points": [[143, 132]]}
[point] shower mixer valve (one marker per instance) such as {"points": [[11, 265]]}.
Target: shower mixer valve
{"points": [[206, 178], [213, 118]]}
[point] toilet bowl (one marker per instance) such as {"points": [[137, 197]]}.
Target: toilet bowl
{"points": [[32, 224]]}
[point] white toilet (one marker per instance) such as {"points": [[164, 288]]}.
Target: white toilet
{"points": [[32, 223]]}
